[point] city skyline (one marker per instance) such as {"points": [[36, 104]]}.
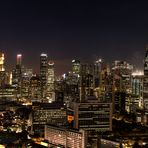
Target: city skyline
{"points": [[73, 74], [36, 70], [73, 30]]}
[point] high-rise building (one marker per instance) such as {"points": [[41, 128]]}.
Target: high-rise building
{"points": [[91, 116], [44, 113], [122, 73], [50, 91], [43, 73], [17, 74], [34, 89], [25, 82], [86, 81], [2, 69], [19, 59], [8, 93], [93, 81], [2, 60], [70, 87], [145, 80], [137, 89], [76, 66]]}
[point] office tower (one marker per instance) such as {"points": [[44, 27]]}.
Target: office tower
{"points": [[8, 78], [27, 72], [35, 89], [59, 90], [19, 59], [97, 73], [137, 89], [86, 81], [91, 116], [76, 67], [17, 75], [43, 73], [50, 91], [2, 69], [121, 72], [2, 60], [8, 93], [71, 87], [145, 81], [122, 75], [104, 83], [48, 113], [25, 82]]}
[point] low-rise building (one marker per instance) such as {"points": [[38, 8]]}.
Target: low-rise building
{"points": [[69, 138]]}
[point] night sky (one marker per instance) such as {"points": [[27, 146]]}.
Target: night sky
{"points": [[71, 29]]}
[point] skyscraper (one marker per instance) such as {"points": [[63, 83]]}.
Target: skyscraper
{"points": [[34, 89], [76, 66], [2, 59], [50, 91], [43, 73], [122, 73], [25, 82], [145, 80], [2, 69], [19, 59], [17, 74], [86, 81], [137, 89]]}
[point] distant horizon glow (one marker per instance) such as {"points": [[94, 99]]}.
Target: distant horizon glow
{"points": [[138, 73]]}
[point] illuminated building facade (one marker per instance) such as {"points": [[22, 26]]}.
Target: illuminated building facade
{"points": [[35, 89], [52, 113], [94, 81], [122, 73], [43, 73], [17, 74], [137, 89], [92, 116], [145, 81], [19, 59], [97, 76], [59, 90], [2, 60], [8, 93], [25, 84], [76, 67], [2, 69], [70, 87], [105, 84], [50, 91], [86, 81], [119, 101], [67, 138]]}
